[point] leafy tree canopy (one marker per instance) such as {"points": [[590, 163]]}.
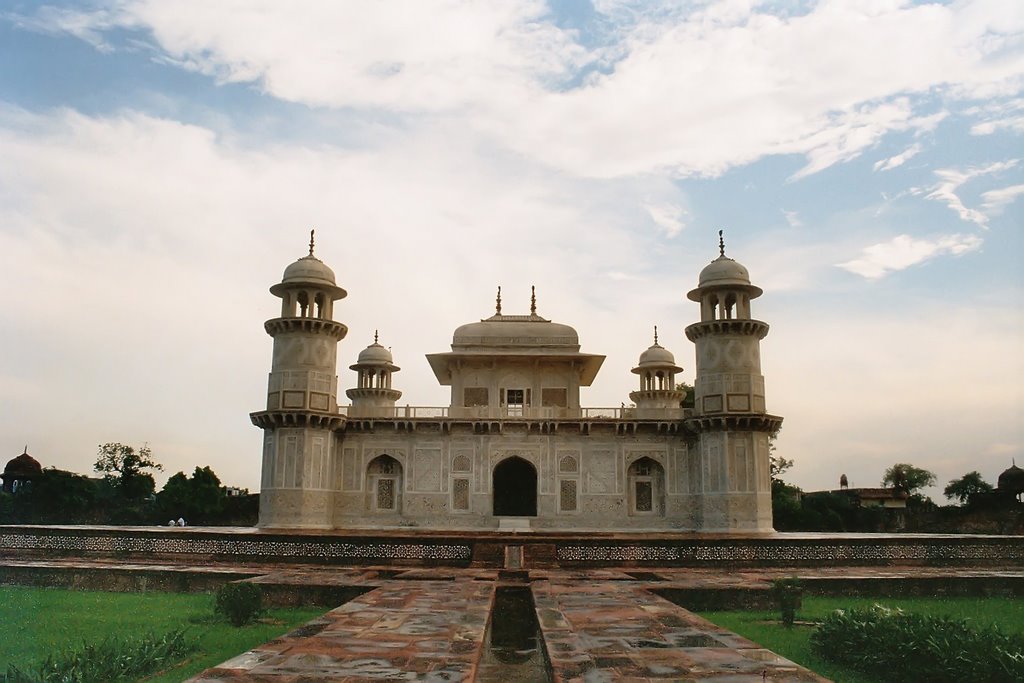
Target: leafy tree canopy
{"points": [[966, 486], [688, 395], [907, 478], [124, 468], [199, 498]]}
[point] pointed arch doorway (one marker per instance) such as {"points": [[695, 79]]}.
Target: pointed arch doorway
{"points": [[514, 484]]}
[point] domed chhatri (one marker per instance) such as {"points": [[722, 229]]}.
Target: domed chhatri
{"points": [[514, 446], [309, 271], [658, 396], [375, 354], [20, 470], [1011, 480], [373, 394], [656, 354], [724, 272], [23, 466]]}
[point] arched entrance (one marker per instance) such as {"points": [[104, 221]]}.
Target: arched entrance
{"points": [[515, 488]]}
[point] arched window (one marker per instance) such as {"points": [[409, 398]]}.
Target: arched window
{"points": [[646, 485], [384, 478]]}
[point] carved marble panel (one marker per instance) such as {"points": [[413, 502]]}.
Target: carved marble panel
{"points": [[600, 471], [426, 470]]}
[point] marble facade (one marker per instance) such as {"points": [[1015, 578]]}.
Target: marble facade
{"points": [[514, 448]]}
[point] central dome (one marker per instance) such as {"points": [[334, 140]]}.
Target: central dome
{"points": [[515, 330]]}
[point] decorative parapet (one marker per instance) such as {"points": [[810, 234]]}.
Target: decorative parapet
{"points": [[748, 328], [277, 419], [331, 328], [594, 549], [745, 422]]}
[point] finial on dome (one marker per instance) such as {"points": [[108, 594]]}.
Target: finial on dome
{"points": [[655, 335], [721, 244], [375, 336], [533, 300], [497, 302], [25, 452], [311, 242]]}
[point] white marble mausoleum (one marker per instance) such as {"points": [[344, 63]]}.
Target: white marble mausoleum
{"points": [[515, 449]]}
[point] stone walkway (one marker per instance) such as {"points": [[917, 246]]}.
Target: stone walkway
{"points": [[616, 631], [601, 624], [430, 631]]}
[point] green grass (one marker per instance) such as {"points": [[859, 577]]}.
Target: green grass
{"points": [[794, 644], [35, 622]]}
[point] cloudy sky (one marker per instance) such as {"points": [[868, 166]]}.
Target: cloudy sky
{"points": [[161, 163]]}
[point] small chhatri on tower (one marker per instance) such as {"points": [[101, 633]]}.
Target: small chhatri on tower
{"points": [[657, 369], [373, 396]]}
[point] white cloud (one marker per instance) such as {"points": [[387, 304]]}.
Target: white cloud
{"points": [[694, 90], [793, 218], [903, 251], [1012, 123], [994, 201], [668, 217], [952, 179], [155, 242], [899, 159]]}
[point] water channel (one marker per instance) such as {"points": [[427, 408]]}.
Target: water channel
{"points": [[513, 646]]}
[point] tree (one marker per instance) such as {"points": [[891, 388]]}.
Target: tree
{"points": [[907, 478], [777, 465], [688, 394], [966, 486], [124, 470], [199, 499]]}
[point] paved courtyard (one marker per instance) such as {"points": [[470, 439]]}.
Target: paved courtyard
{"points": [[432, 623], [417, 628]]}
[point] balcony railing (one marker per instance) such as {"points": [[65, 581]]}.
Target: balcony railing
{"points": [[505, 413]]}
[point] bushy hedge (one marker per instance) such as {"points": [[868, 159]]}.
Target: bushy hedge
{"points": [[113, 659], [240, 602], [895, 646]]}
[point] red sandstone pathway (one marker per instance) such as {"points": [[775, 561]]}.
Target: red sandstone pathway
{"points": [[616, 631], [430, 631], [604, 630], [598, 624]]}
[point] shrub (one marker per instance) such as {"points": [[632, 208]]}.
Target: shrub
{"points": [[787, 594], [239, 602], [894, 646], [113, 659]]}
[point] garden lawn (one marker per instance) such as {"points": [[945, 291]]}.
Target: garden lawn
{"points": [[35, 622], [794, 644]]}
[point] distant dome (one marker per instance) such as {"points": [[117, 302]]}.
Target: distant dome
{"points": [[657, 355], [375, 354], [1012, 480], [23, 466]]}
